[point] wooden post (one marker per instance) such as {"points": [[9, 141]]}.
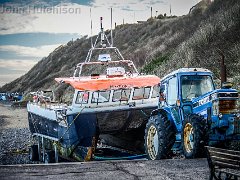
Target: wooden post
{"points": [[223, 69], [151, 12]]}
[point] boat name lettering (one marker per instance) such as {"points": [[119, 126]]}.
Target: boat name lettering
{"points": [[124, 86]]}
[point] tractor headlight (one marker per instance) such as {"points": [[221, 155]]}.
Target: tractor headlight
{"points": [[215, 108], [220, 115]]}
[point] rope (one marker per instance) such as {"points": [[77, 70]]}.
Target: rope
{"points": [[70, 124], [99, 158], [144, 113]]}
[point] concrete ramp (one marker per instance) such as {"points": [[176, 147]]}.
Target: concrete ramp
{"points": [[195, 169]]}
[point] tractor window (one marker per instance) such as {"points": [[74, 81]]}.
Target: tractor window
{"points": [[195, 86], [172, 91]]}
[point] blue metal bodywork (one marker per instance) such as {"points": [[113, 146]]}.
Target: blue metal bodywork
{"points": [[78, 129], [221, 127]]}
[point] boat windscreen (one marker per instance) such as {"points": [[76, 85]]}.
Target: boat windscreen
{"points": [[141, 93], [100, 96], [82, 97], [121, 95]]}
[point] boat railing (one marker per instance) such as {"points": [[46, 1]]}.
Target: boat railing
{"points": [[102, 43], [46, 100], [114, 65]]}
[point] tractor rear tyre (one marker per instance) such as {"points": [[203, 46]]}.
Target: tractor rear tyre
{"points": [[159, 137], [33, 153], [193, 133]]}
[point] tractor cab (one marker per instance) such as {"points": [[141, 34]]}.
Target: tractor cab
{"points": [[181, 88]]}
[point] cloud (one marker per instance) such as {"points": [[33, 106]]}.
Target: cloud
{"points": [[130, 5], [14, 22], [44, 2], [64, 18], [73, 17], [4, 79], [16, 65], [13, 69], [37, 52]]}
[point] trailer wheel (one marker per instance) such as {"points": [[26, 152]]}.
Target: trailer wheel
{"points": [[193, 133], [49, 157], [33, 153], [159, 137]]}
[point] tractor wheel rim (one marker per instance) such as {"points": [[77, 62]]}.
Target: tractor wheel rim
{"points": [[152, 142], [188, 137]]}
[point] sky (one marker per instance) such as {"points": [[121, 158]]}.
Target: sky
{"points": [[31, 29]]}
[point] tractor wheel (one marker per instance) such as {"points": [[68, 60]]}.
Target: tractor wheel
{"points": [[33, 153], [193, 133], [159, 137], [49, 157]]}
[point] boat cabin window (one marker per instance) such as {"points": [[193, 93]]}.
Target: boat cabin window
{"points": [[121, 95], [82, 97], [156, 90], [100, 96], [141, 93]]}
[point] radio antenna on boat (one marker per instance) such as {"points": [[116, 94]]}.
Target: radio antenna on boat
{"points": [[91, 27], [102, 32], [111, 30]]}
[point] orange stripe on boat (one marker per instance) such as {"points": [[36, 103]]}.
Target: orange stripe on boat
{"points": [[103, 83]]}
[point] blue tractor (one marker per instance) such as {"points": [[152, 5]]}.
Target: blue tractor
{"points": [[191, 114]]}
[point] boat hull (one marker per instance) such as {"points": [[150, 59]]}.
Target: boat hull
{"points": [[83, 128]]}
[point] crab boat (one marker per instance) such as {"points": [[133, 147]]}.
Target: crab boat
{"points": [[111, 102]]}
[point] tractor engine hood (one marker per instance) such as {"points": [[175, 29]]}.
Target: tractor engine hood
{"points": [[222, 101], [216, 94]]}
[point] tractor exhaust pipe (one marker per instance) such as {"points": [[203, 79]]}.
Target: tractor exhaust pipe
{"points": [[223, 69], [224, 83]]}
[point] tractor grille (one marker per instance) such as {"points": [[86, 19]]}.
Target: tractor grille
{"points": [[227, 106], [237, 126]]}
